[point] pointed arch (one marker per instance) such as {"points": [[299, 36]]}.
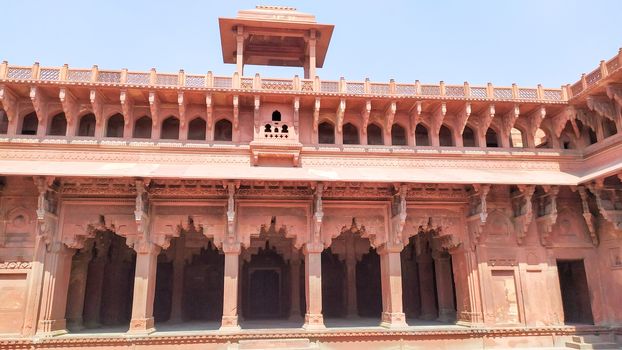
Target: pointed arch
{"points": [[4, 122], [517, 138], [541, 139], [58, 125], [422, 137], [609, 127], [196, 129], [142, 128], [374, 134], [326, 133], [30, 124], [445, 136], [86, 126], [350, 135], [223, 130], [398, 135], [492, 139], [468, 137], [170, 128], [115, 125]]}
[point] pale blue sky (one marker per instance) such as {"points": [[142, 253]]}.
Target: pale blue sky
{"points": [[528, 42]]}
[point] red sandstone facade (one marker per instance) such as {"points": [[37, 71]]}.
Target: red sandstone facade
{"points": [[153, 210]]}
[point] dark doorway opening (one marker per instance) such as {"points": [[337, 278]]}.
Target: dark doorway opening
{"points": [[368, 285], [575, 293], [266, 286]]}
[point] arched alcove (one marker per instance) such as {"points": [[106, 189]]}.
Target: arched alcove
{"points": [[326, 133], [374, 135], [170, 129], [350, 135], [142, 128], [58, 125], [4, 122], [115, 125], [30, 124], [223, 130], [398, 135], [87, 124], [445, 137], [196, 129], [468, 137], [492, 140], [516, 138], [609, 127], [422, 138], [541, 139]]}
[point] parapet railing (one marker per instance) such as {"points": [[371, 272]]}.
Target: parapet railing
{"points": [[182, 80], [605, 68]]}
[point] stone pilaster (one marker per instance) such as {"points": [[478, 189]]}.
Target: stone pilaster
{"points": [[351, 306], [294, 270], [144, 287], [313, 285], [231, 285], [391, 278], [54, 294], [426, 286], [468, 293], [77, 289], [178, 281]]}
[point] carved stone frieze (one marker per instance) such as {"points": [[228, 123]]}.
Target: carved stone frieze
{"points": [[15, 265]]}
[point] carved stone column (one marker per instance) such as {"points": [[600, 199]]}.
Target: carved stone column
{"points": [[77, 288], [313, 285], [144, 287], [178, 281], [54, 296], [468, 294], [444, 288], [426, 286], [294, 270], [231, 285], [391, 279]]}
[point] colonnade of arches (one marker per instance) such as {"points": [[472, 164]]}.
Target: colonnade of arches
{"points": [[114, 127], [190, 279]]}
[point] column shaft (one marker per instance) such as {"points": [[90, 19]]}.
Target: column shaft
{"points": [[77, 290], [352, 308], [231, 285], [54, 296], [444, 289], [178, 280], [313, 286], [391, 279], [426, 286], [468, 294], [144, 288], [294, 310]]}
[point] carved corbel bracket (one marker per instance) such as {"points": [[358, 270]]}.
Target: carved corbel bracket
{"points": [[445, 232], [341, 109], [182, 101], [438, 117], [365, 112], [9, 102], [127, 106], [463, 117], [415, 116], [318, 217], [141, 211], [547, 214], [71, 107], [82, 233], [256, 116], [40, 103], [478, 212], [46, 208], [486, 118], [509, 119], [606, 201], [389, 116], [97, 102], [398, 220], [236, 112], [614, 92], [316, 114], [154, 107], [535, 120], [523, 211], [587, 215], [602, 106], [209, 111]]}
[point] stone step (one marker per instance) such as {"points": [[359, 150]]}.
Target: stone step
{"points": [[581, 345], [272, 344]]}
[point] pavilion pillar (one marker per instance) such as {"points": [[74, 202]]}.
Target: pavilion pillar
{"points": [[391, 280], [57, 269], [77, 289], [351, 306], [239, 54], [144, 287], [294, 271], [468, 293], [426, 286], [313, 285], [444, 288], [231, 285], [178, 281], [35, 284]]}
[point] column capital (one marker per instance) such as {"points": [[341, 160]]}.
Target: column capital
{"points": [[144, 246], [390, 247], [316, 247], [231, 248]]}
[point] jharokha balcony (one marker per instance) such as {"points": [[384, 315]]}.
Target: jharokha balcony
{"points": [[153, 210]]}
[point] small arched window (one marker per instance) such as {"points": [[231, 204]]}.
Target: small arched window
{"points": [[326, 133], [491, 138], [170, 129], [196, 129], [566, 142], [468, 137], [374, 135], [276, 116], [350, 135], [516, 138], [30, 124], [4, 122], [87, 125], [115, 125], [398, 135], [223, 130], [421, 136], [58, 125], [445, 138], [142, 128]]}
